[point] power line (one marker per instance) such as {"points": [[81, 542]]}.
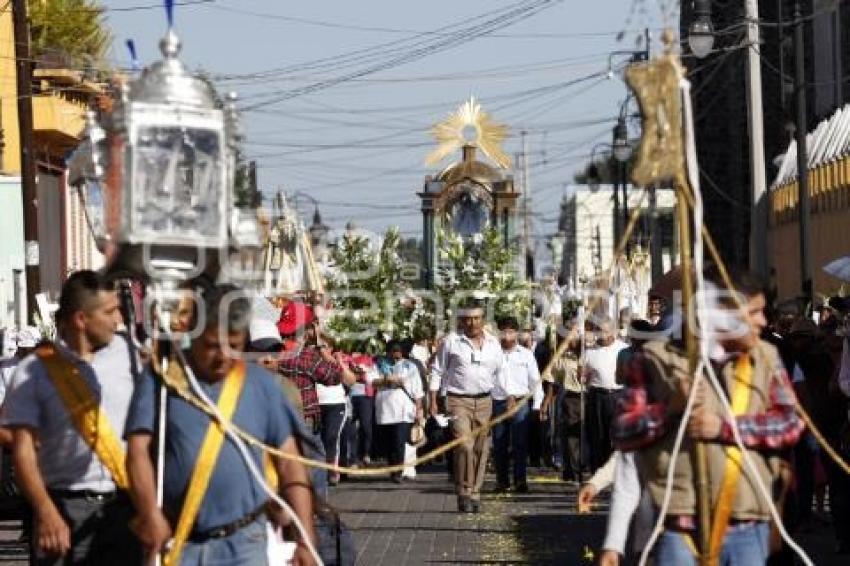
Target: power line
{"points": [[336, 25], [519, 13]]}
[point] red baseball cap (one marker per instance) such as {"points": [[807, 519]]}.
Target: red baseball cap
{"points": [[294, 317]]}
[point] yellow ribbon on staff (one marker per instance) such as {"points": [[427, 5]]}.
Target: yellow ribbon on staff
{"points": [[205, 464], [85, 411], [732, 473]]}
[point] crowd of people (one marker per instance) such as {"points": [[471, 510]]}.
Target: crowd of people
{"points": [[88, 418]]}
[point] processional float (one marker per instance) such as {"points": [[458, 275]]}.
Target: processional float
{"points": [[157, 179]]}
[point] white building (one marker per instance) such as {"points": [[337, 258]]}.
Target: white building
{"points": [[586, 229]]}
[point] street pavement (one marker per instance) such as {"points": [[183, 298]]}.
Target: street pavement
{"points": [[417, 523]]}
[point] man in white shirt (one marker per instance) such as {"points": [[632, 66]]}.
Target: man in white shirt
{"points": [[467, 367], [510, 437], [600, 375]]}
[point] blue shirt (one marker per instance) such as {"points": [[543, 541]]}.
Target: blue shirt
{"points": [[64, 459], [262, 411]]}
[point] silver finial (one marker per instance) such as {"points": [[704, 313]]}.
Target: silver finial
{"points": [[170, 45]]}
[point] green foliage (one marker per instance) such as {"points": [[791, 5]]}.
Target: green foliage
{"points": [[72, 28], [368, 292], [483, 266]]}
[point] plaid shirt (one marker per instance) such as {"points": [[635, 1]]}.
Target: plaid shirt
{"points": [[641, 421], [305, 368]]}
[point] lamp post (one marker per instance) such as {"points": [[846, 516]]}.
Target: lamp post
{"points": [[804, 206], [622, 151], [701, 41]]}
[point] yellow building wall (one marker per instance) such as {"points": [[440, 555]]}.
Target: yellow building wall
{"points": [[8, 94]]}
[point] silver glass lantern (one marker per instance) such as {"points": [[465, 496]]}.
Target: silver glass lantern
{"points": [[87, 172], [177, 171]]}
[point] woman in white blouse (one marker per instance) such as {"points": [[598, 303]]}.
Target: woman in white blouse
{"points": [[398, 403]]}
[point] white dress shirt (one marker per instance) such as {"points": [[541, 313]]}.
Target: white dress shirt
{"points": [[600, 365], [392, 404], [520, 377], [463, 369]]}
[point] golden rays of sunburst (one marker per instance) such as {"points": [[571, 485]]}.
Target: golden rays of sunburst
{"points": [[470, 125]]}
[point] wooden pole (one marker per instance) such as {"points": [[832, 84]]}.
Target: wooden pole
{"points": [[23, 67], [699, 455]]}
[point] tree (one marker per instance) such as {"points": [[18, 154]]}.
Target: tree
{"points": [[485, 267], [72, 29], [368, 292]]}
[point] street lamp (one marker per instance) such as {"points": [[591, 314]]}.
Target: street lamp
{"points": [[621, 146], [622, 150], [701, 32], [701, 40], [87, 172]]}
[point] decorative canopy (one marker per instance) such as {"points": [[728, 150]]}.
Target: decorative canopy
{"points": [[469, 125]]}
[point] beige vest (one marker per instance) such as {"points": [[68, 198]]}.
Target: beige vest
{"points": [[666, 365]]}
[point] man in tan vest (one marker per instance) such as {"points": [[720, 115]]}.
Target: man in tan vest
{"points": [[649, 414]]}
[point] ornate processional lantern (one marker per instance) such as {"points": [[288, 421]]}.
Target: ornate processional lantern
{"points": [[171, 144]]}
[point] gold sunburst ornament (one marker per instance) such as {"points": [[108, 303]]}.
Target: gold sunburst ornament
{"points": [[470, 125]]}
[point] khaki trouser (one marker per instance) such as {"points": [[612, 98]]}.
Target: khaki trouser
{"points": [[470, 457]]}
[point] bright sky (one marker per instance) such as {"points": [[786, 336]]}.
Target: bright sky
{"points": [[339, 95]]}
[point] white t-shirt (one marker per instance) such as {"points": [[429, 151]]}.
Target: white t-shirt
{"points": [[330, 395], [392, 405], [600, 366]]}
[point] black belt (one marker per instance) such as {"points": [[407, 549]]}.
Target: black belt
{"points": [[224, 531], [465, 396], [603, 390], [87, 494]]}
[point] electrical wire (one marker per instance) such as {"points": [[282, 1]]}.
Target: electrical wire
{"points": [[521, 12]]}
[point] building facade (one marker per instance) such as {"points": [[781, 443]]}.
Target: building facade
{"points": [[586, 230], [719, 90], [60, 99]]}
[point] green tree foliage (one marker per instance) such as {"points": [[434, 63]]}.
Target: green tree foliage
{"points": [[485, 267], [75, 29], [368, 291]]}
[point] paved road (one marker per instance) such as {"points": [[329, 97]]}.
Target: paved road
{"points": [[417, 523]]}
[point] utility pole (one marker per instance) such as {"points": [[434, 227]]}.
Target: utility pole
{"points": [[598, 238], [755, 118], [528, 253], [30, 204], [804, 207]]}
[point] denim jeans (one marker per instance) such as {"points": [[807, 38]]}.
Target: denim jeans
{"points": [[744, 545], [363, 409], [245, 547], [511, 433]]}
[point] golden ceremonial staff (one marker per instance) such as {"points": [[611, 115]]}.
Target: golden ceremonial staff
{"points": [[661, 158]]}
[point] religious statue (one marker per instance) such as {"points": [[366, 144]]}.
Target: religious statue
{"points": [[468, 215]]}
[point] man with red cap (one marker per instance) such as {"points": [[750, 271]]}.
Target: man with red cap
{"points": [[305, 365]]}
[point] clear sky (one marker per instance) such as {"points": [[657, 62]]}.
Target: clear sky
{"points": [[339, 95]]}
